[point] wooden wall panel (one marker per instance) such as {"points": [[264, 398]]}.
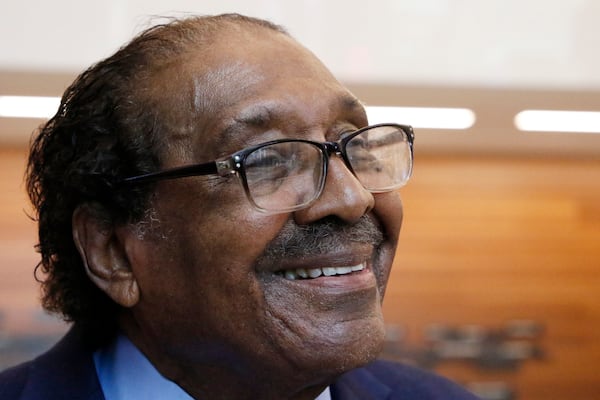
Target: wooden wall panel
{"points": [[485, 241]]}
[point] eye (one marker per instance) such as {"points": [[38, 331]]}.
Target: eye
{"points": [[269, 156], [360, 154], [358, 147], [269, 162], [291, 168]]}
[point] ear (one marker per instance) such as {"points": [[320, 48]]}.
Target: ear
{"points": [[103, 254]]}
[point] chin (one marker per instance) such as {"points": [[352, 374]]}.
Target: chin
{"points": [[344, 346]]}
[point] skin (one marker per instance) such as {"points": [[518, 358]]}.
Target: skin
{"points": [[200, 294]]}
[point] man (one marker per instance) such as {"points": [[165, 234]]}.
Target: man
{"points": [[219, 222]]}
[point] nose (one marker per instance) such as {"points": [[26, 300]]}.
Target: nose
{"points": [[343, 196]]}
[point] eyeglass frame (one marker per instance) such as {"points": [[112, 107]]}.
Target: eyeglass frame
{"points": [[234, 164]]}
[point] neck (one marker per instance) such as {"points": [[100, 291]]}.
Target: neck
{"points": [[212, 371]]}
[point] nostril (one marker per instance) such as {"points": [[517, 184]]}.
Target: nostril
{"points": [[369, 208]]}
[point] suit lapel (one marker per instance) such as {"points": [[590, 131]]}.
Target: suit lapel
{"points": [[359, 384]]}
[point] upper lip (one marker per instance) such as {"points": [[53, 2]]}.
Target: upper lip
{"points": [[356, 254]]}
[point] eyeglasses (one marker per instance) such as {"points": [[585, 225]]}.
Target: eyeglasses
{"points": [[289, 174]]}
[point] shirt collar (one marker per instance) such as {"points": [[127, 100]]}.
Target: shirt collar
{"points": [[126, 374]]}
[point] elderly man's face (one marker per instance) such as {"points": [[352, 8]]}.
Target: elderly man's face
{"points": [[212, 277]]}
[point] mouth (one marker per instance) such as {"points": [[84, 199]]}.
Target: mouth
{"points": [[313, 273]]}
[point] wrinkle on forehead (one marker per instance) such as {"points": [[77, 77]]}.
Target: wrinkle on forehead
{"points": [[204, 95], [209, 87], [270, 82], [266, 113]]}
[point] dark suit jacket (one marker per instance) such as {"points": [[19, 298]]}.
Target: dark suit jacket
{"points": [[67, 372]]}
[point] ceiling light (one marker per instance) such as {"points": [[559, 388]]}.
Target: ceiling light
{"points": [[423, 117], [558, 121], [28, 106]]}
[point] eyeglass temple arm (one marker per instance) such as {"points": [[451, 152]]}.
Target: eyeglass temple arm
{"points": [[179, 172]]}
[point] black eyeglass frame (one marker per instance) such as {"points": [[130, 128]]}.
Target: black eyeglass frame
{"points": [[234, 163]]}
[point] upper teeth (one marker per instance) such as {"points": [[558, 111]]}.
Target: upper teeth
{"points": [[297, 273]]}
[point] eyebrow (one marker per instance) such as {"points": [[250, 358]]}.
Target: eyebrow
{"points": [[261, 116], [256, 117]]}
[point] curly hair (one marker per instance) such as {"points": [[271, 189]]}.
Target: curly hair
{"points": [[109, 125]]}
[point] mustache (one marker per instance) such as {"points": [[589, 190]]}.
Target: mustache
{"points": [[321, 237]]}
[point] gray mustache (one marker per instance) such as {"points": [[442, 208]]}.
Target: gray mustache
{"points": [[323, 236]]}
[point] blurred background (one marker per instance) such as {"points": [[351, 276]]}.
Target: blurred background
{"points": [[496, 281]]}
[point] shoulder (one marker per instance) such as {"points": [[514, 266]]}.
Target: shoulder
{"points": [[65, 371], [13, 380], [390, 380]]}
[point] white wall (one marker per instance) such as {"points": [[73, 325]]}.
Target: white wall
{"points": [[515, 43]]}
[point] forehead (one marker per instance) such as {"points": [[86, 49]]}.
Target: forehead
{"points": [[264, 80]]}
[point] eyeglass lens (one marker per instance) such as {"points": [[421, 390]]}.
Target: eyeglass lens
{"points": [[290, 175], [284, 176], [380, 158]]}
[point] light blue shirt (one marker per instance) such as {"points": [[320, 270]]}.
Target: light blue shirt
{"points": [[126, 374]]}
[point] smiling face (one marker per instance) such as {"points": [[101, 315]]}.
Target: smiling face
{"points": [[234, 297]]}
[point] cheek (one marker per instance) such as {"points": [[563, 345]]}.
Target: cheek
{"points": [[213, 224], [390, 212], [199, 285], [201, 259]]}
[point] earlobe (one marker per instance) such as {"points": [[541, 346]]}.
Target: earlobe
{"points": [[103, 254]]}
